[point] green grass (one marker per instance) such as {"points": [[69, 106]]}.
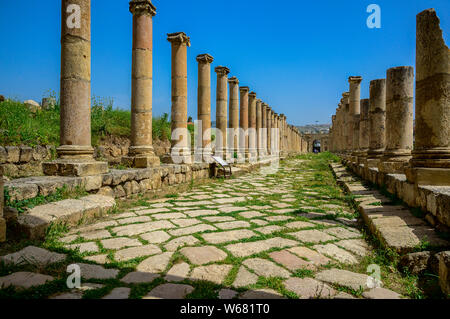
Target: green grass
{"points": [[19, 126]]}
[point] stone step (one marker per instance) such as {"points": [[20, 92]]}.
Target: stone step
{"points": [[394, 225], [70, 212]]}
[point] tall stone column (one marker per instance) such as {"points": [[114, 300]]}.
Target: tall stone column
{"points": [[431, 155], [243, 122], [377, 122], [141, 153], [275, 135], [264, 129], [203, 142], [348, 130], [364, 131], [399, 119], [180, 151], [355, 108], [258, 128], [269, 130], [221, 111], [233, 123], [75, 153], [252, 126]]}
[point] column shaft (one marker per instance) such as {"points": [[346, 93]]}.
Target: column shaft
{"points": [[221, 111], [243, 121], [233, 123]]}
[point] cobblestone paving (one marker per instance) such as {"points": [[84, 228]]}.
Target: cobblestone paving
{"points": [[284, 235]]}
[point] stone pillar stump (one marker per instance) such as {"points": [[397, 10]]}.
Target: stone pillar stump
{"points": [[377, 122]]}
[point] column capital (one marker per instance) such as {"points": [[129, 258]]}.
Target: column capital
{"points": [[142, 7], [233, 80], [345, 94], [222, 70], [204, 58], [244, 89], [252, 94], [355, 79], [179, 38]]}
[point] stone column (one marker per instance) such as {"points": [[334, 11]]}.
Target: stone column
{"points": [[203, 142], [180, 150], [258, 128], [431, 155], [347, 142], [399, 120], [252, 126], [363, 131], [333, 132], [275, 135], [269, 129], [377, 122], [264, 129], [233, 123], [355, 107], [141, 153], [2, 200], [75, 153], [221, 111], [243, 122]]}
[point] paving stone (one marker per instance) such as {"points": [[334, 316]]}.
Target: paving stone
{"points": [[174, 244], [327, 223], [33, 255], [381, 293], [118, 293], [266, 268], [120, 242], [337, 253], [244, 278], [203, 255], [155, 264], [227, 236], [152, 211], [99, 259], [160, 205], [75, 295], [138, 277], [312, 236], [229, 200], [24, 280], [232, 225], [134, 252], [156, 237], [68, 239], [191, 230], [250, 248], [169, 216], [132, 220], [291, 261], [136, 229], [202, 212], [356, 246], [343, 278], [278, 218], [196, 203], [98, 234], [123, 215], [308, 288], [89, 271], [269, 229], [299, 225], [259, 222], [213, 273], [215, 219], [261, 294], [170, 291], [283, 211], [260, 207], [342, 233], [227, 294], [90, 247], [96, 226], [343, 295], [232, 209], [251, 214], [312, 256], [178, 272], [185, 222], [281, 205]]}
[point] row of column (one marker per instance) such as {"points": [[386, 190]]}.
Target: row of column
{"points": [[263, 131], [380, 131]]}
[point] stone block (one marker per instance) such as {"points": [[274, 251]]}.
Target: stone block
{"points": [[63, 167], [3, 155], [429, 176], [444, 272], [12, 154], [26, 154]]}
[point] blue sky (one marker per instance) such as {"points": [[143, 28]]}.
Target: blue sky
{"points": [[296, 55]]}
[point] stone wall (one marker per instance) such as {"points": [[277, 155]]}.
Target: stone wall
{"points": [[18, 161]]}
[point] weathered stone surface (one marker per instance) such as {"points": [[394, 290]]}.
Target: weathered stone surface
{"points": [[178, 272], [138, 277], [299, 225], [343, 278], [136, 219], [444, 272], [185, 222], [203, 255], [244, 278], [290, 261], [227, 236], [136, 229], [201, 212], [98, 234], [342, 233], [219, 219], [381, 293], [250, 248], [269, 229], [155, 264], [134, 252], [312, 236], [99, 259], [308, 288], [261, 294], [156, 237], [251, 214], [266, 268], [174, 244], [227, 294], [34, 256], [89, 271], [312, 256], [191, 230], [212, 273], [118, 293], [90, 247], [337, 253], [168, 216], [120, 242], [24, 280], [356, 246], [415, 263], [169, 291], [152, 211]]}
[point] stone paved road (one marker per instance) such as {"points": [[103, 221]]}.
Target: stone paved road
{"points": [[284, 235]]}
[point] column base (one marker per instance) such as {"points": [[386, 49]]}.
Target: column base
{"points": [[372, 162], [392, 167], [2, 230], [182, 156], [141, 161], [428, 176], [74, 167]]}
